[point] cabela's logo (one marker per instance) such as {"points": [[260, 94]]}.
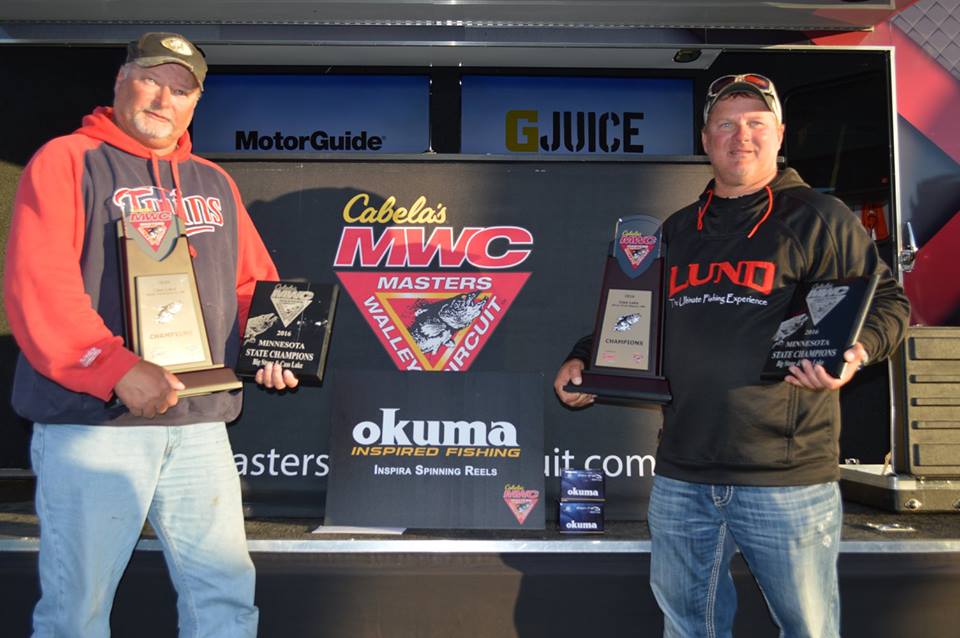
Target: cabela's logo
{"points": [[636, 246], [521, 501], [436, 321]]}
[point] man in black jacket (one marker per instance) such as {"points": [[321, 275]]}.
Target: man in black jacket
{"points": [[742, 462]]}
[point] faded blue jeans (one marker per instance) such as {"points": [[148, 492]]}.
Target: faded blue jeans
{"points": [[789, 537], [95, 487]]}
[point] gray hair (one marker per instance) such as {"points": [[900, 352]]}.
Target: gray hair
{"points": [[124, 70]]}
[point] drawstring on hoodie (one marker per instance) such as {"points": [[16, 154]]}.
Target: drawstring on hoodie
{"points": [[703, 210], [181, 209], [100, 125]]}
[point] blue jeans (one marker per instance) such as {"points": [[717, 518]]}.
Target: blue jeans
{"points": [[95, 487], [789, 537]]}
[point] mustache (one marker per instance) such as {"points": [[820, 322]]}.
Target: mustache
{"points": [[152, 113]]}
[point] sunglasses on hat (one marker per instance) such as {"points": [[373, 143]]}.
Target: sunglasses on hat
{"points": [[760, 82], [753, 81]]}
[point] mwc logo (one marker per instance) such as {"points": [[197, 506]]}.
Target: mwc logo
{"points": [[436, 320]]}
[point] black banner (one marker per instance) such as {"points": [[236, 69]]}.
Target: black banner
{"points": [[435, 451], [455, 266]]}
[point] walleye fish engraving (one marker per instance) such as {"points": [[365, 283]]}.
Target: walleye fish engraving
{"points": [[169, 311], [257, 326], [435, 324], [788, 327], [626, 322]]}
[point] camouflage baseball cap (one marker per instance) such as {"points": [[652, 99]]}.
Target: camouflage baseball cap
{"points": [[154, 49]]}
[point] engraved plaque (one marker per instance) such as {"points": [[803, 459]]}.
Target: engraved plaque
{"points": [[170, 329], [289, 324], [823, 321], [625, 332]]}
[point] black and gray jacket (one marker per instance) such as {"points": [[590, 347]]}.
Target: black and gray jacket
{"points": [[731, 269]]}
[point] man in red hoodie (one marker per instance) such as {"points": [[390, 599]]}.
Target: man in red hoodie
{"points": [[103, 466]]}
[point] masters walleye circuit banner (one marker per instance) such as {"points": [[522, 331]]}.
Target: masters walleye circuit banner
{"points": [[448, 269], [438, 320], [433, 451]]}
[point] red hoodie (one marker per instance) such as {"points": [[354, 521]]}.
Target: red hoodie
{"points": [[62, 281]]}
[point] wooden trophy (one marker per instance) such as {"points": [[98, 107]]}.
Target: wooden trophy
{"points": [[164, 318]]}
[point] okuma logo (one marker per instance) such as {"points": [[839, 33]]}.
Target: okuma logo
{"points": [[576, 491], [433, 432]]}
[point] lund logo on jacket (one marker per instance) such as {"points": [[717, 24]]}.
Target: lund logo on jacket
{"points": [[755, 275], [203, 214]]}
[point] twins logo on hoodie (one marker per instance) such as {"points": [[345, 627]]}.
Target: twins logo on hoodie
{"points": [[202, 214]]}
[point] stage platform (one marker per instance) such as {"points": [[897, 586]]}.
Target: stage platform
{"points": [[427, 583]]}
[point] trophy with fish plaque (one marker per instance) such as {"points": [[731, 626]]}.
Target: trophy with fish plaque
{"points": [[164, 318], [822, 322], [289, 324], [627, 351]]}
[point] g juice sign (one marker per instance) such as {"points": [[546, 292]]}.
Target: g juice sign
{"points": [[577, 116]]}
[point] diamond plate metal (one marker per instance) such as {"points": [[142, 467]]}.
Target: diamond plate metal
{"points": [[935, 26]]}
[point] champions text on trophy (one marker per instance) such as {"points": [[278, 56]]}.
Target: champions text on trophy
{"points": [[164, 318], [626, 359], [823, 320], [289, 324]]}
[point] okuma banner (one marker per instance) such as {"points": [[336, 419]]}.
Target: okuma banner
{"points": [[434, 451]]}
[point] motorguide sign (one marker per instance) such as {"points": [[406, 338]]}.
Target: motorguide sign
{"points": [[278, 114]]}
